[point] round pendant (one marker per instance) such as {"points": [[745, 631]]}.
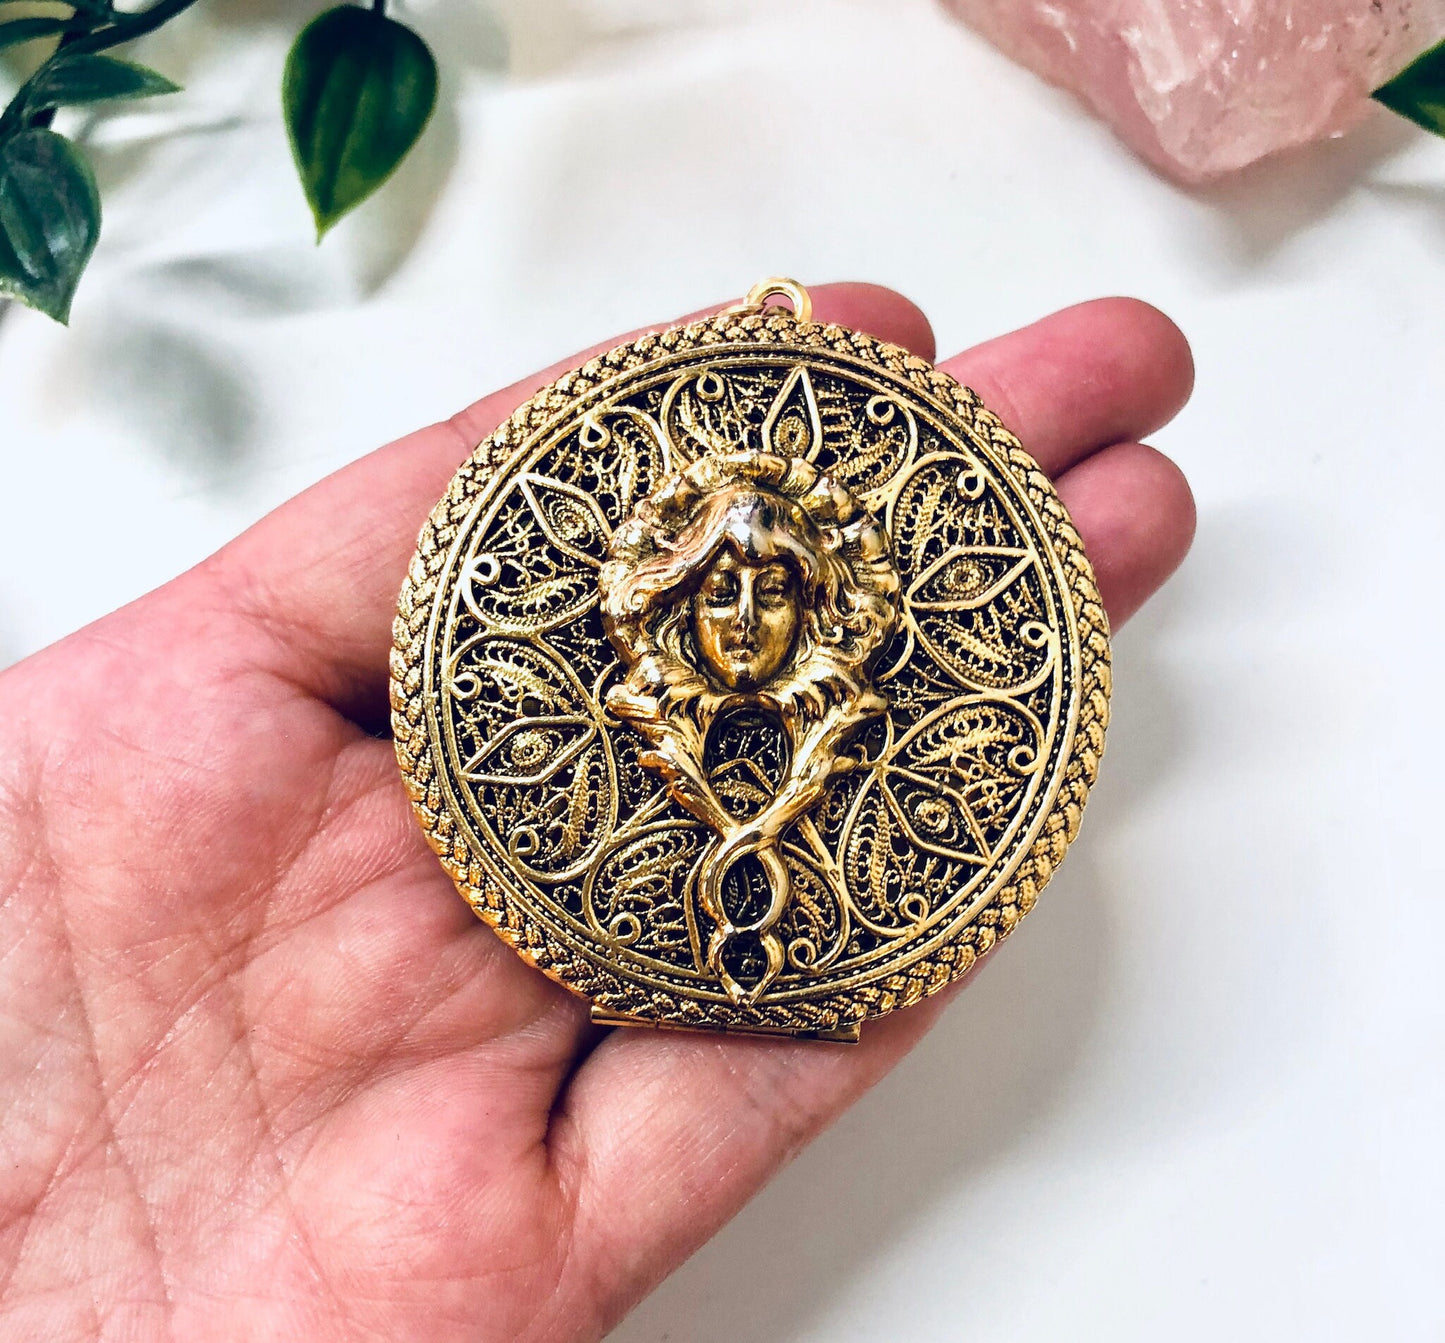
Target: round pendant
{"points": [[751, 677]]}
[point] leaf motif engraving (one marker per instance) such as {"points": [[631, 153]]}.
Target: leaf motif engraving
{"points": [[946, 504], [715, 411], [622, 450], [637, 894], [975, 598], [935, 809], [815, 928], [963, 580], [867, 447], [570, 518], [534, 564], [793, 427], [532, 754]]}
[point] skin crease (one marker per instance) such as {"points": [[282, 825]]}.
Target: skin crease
{"points": [[263, 1075], [745, 616]]}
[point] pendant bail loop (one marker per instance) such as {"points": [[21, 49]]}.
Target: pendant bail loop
{"points": [[776, 286]]}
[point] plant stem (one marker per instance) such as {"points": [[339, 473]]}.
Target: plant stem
{"points": [[48, 115], [117, 27], [128, 27]]}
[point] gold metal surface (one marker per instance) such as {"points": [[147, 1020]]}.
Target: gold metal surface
{"points": [[751, 677]]}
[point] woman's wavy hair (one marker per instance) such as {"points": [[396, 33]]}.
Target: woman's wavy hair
{"points": [[765, 507]]}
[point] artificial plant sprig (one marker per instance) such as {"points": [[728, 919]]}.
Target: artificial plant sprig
{"points": [[358, 91], [49, 205]]}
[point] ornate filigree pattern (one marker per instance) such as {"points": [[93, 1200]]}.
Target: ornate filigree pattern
{"points": [[963, 742]]}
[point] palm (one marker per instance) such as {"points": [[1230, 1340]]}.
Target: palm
{"points": [[264, 1073]]}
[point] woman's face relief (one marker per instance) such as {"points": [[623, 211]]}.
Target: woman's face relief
{"points": [[745, 616]]}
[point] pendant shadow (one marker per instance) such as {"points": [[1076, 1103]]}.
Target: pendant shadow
{"points": [[978, 1083], [1005, 1071]]}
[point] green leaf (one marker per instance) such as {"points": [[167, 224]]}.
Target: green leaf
{"points": [[1418, 91], [358, 90], [49, 220], [68, 81], [15, 32]]}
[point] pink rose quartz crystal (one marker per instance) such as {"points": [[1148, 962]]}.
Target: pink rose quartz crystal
{"points": [[1202, 87]]}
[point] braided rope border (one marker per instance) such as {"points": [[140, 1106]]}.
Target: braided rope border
{"points": [[487, 893]]}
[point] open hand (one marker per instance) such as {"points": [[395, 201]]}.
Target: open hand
{"points": [[263, 1075]]}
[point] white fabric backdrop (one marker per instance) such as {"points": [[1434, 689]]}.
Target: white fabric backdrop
{"points": [[1199, 1094]]}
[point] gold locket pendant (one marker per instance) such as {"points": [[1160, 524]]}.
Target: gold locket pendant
{"points": [[751, 677]]}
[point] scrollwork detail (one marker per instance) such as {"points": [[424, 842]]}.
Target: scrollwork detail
{"points": [[950, 759]]}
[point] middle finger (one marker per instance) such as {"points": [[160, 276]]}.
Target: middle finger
{"points": [[1090, 376]]}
